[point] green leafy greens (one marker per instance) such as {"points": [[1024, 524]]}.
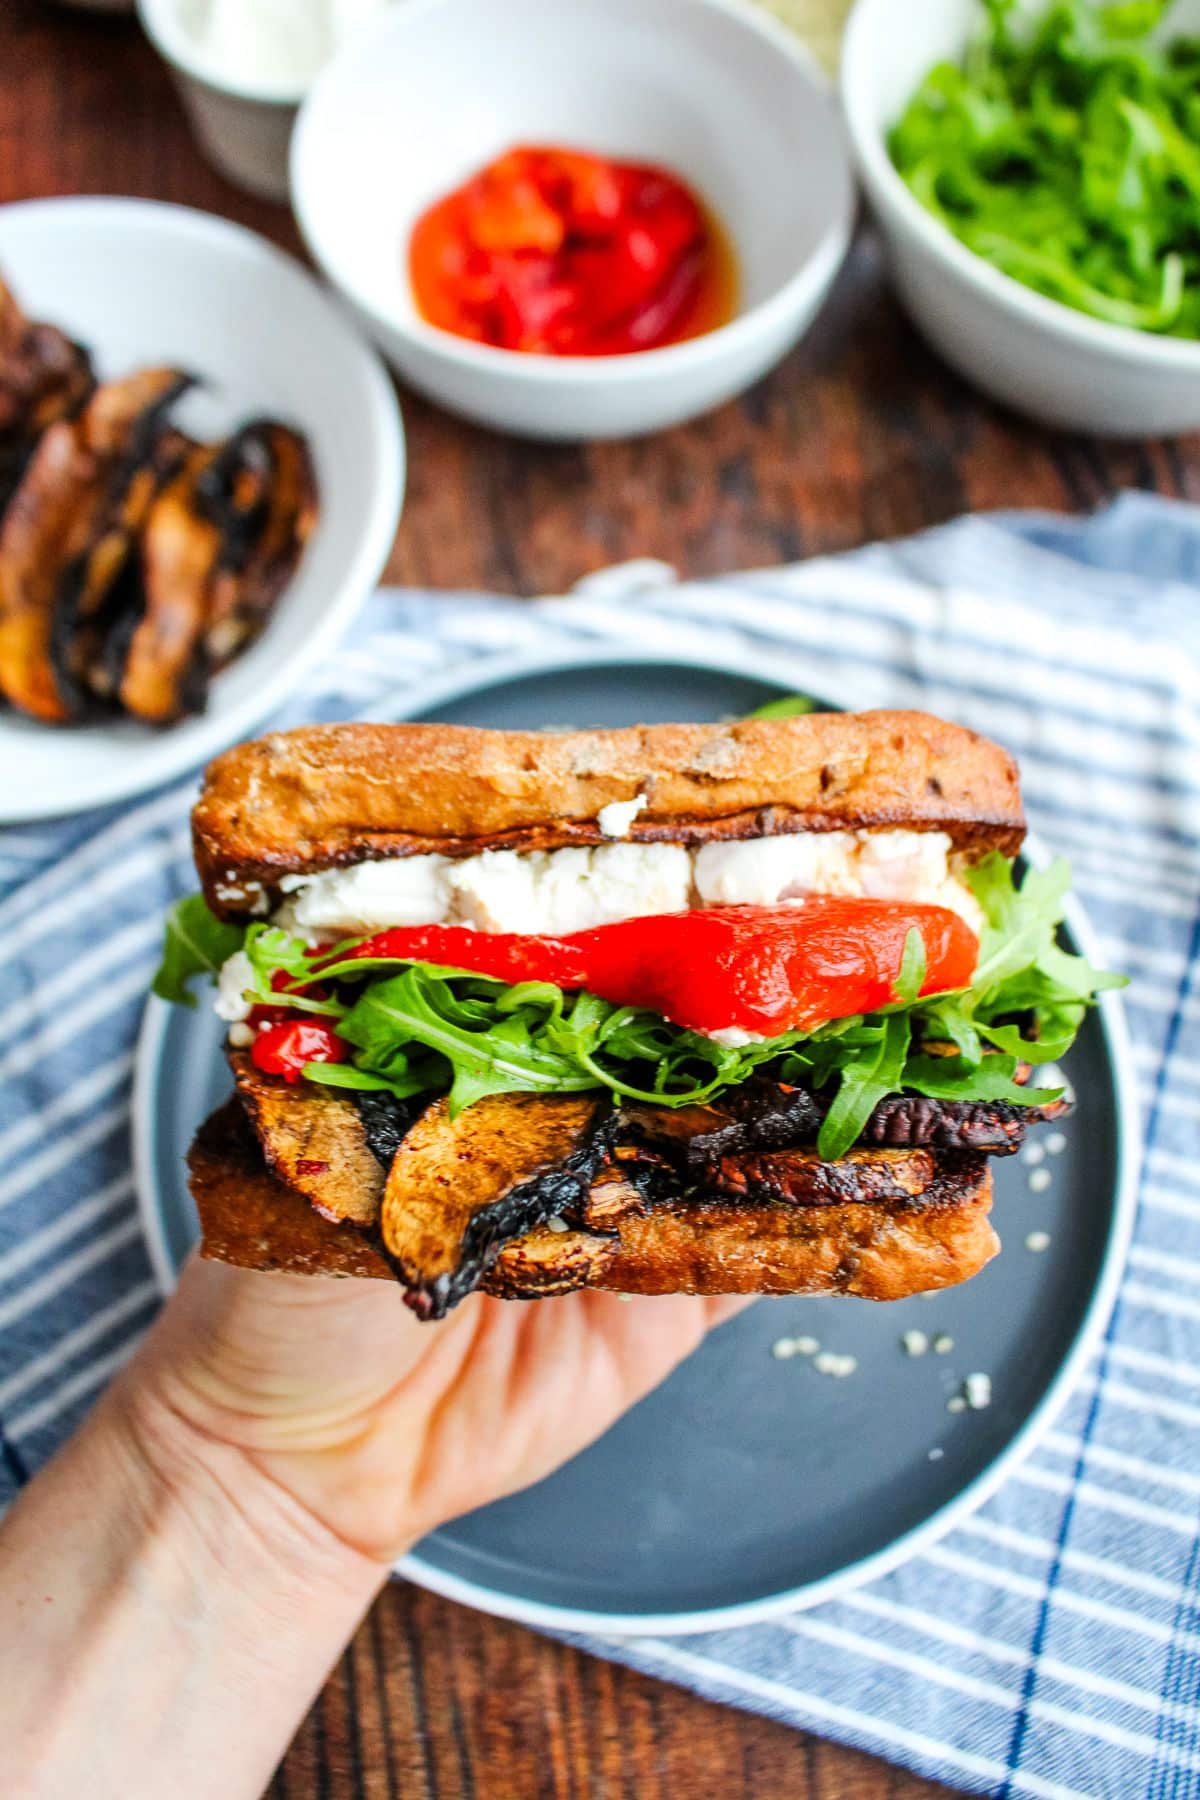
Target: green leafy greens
{"points": [[788, 706], [417, 1028], [1066, 151], [194, 943]]}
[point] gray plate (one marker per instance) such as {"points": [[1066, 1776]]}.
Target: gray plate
{"points": [[746, 1485]]}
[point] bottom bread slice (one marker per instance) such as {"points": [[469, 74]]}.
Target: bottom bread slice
{"points": [[251, 1218]]}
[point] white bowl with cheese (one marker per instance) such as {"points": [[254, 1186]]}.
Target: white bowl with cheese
{"points": [[242, 67], [713, 90]]}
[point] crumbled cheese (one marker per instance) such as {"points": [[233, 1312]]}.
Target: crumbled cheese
{"points": [[915, 1343], [783, 1349], [559, 891], [1051, 1076], [734, 1038], [807, 1346], [977, 1390], [936, 1454], [1033, 1154], [943, 1343], [764, 871], [1040, 1180], [1056, 1143], [371, 896], [828, 1362], [615, 819], [557, 1225], [549, 892], [1037, 1241], [956, 1404], [236, 976], [241, 1035]]}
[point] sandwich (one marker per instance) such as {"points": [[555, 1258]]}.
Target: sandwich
{"points": [[733, 1008]]}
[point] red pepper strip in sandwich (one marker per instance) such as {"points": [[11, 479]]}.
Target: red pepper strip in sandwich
{"points": [[288, 1047], [759, 969]]}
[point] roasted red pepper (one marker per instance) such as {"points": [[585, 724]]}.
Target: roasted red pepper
{"points": [[569, 254], [286, 1048], [758, 969]]}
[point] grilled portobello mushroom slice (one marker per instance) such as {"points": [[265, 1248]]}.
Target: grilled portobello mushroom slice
{"points": [[995, 1126], [219, 543], [66, 538], [460, 1187], [800, 1178], [545, 1262], [44, 377], [315, 1140], [766, 1115], [262, 491]]}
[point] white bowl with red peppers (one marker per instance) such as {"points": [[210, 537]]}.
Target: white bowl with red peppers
{"points": [[710, 91]]}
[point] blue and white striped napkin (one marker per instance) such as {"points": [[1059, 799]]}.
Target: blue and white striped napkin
{"points": [[1049, 1646]]}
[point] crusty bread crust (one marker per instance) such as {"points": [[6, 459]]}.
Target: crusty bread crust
{"points": [[250, 1218], [329, 795]]}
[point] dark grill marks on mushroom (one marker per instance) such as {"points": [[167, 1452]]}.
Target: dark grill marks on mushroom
{"points": [[387, 1121], [134, 563], [220, 543], [460, 1186]]}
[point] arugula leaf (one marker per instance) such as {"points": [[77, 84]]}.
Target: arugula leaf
{"points": [[195, 942], [1063, 151], [790, 706], [864, 1084]]}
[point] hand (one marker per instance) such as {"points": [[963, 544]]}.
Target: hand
{"points": [[179, 1578], [382, 1428]]}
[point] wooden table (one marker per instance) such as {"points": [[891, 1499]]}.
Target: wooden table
{"points": [[860, 434]]}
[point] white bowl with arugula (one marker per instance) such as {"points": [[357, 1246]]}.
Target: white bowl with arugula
{"points": [[1035, 176]]}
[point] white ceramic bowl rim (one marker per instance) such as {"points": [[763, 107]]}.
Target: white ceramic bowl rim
{"points": [[593, 370], [161, 22], [867, 135]]}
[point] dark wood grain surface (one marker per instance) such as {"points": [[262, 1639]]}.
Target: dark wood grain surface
{"points": [[860, 434]]}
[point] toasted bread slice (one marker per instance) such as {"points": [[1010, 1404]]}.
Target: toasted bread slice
{"points": [[326, 796]]}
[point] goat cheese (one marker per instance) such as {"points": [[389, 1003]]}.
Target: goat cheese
{"points": [[370, 896], [615, 819], [554, 892], [765, 871], [236, 976]]}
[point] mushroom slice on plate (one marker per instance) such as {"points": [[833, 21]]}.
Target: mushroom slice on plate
{"points": [[43, 377], [66, 537], [264, 491], [219, 543], [460, 1187]]}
